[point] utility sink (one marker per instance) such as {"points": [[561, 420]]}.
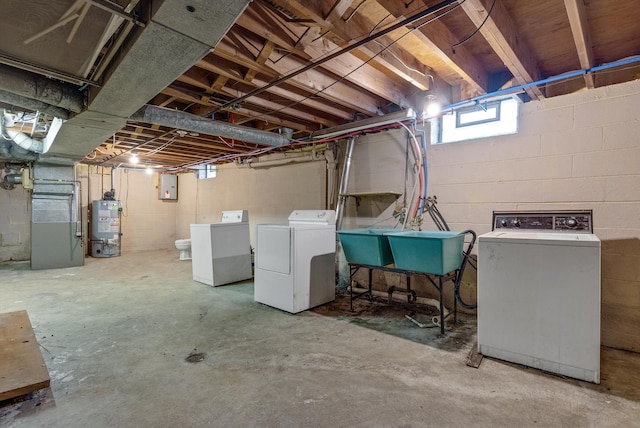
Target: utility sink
{"points": [[435, 252], [367, 246]]}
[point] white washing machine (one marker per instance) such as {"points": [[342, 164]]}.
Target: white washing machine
{"points": [[295, 263], [221, 252], [539, 292]]}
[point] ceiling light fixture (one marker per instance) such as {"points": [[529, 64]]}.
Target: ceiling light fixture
{"points": [[148, 170], [433, 108], [134, 159], [360, 125]]}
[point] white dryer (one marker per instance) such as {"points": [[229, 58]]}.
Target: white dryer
{"points": [[221, 252], [539, 292], [295, 263]]}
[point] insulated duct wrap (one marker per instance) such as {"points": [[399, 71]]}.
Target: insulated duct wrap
{"points": [[192, 123], [40, 88], [10, 101]]}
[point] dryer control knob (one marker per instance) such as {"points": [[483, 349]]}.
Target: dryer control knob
{"points": [[571, 222], [516, 223]]}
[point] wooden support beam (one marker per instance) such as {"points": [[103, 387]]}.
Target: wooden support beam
{"points": [[347, 66], [581, 36], [267, 49], [313, 81], [439, 39], [383, 54], [270, 29], [501, 33], [270, 105], [166, 102], [284, 97], [293, 97]]}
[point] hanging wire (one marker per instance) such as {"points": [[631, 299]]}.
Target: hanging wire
{"points": [[342, 78], [466, 39]]}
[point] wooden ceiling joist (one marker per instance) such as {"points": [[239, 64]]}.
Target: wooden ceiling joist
{"points": [[501, 33], [581, 36], [286, 96], [440, 40]]}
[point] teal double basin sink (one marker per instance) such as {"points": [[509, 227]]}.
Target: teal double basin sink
{"points": [[435, 252]]}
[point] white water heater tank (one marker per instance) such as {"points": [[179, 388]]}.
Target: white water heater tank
{"points": [[105, 228]]}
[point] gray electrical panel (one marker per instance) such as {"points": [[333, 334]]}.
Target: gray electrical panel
{"points": [[168, 188], [105, 228]]}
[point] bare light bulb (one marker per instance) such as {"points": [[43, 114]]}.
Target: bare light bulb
{"points": [[148, 170], [134, 159], [433, 109]]}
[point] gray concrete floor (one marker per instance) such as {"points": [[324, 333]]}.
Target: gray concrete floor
{"points": [[115, 334]]}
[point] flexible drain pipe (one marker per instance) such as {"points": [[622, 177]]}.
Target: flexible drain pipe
{"points": [[344, 182], [191, 122]]}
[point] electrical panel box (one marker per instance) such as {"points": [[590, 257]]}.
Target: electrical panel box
{"points": [[168, 188]]}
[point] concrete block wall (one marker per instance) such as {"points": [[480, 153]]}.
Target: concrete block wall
{"points": [[578, 151], [270, 194], [377, 165], [148, 223], [15, 224]]}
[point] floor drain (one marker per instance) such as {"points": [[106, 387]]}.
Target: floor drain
{"points": [[195, 357]]}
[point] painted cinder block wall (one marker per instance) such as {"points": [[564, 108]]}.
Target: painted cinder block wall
{"points": [[148, 223], [579, 151], [270, 194]]}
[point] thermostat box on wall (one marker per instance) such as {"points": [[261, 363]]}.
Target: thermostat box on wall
{"points": [[168, 188]]}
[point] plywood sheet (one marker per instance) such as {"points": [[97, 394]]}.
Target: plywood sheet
{"points": [[22, 367]]}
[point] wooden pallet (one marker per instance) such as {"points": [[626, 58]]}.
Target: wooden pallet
{"points": [[22, 368]]}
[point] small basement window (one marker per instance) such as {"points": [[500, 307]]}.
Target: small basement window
{"points": [[489, 119], [207, 171]]}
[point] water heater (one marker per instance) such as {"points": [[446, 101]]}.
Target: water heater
{"points": [[105, 228]]}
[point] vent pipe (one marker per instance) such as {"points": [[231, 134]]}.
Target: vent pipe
{"points": [[25, 142], [40, 88], [344, 182], [192, 123], [10, 101]]}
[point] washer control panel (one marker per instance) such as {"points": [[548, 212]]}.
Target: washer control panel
{"points": [[561, 221]]}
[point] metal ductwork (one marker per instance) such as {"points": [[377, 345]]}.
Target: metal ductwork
{"points": [[10, 101], [176, 35], [40, 88], [191, 122]]}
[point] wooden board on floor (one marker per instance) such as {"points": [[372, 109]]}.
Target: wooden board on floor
{"points": [[474, 358], [22, 368]]}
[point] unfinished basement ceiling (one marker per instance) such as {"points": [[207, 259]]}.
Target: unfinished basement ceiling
{"points": [[270, 71]]}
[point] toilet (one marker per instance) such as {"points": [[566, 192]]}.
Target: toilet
{"points": [[184, 245]]}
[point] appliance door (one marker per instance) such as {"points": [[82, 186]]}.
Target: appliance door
{"points": [[314, 266], [273, 284], [201, 253], [273, 253], [231, 253], [539, 301]]}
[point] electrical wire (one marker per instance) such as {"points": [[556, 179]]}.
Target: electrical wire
{"points": [[342, 78], [466, 39], [354, 11], [336, 54]]}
